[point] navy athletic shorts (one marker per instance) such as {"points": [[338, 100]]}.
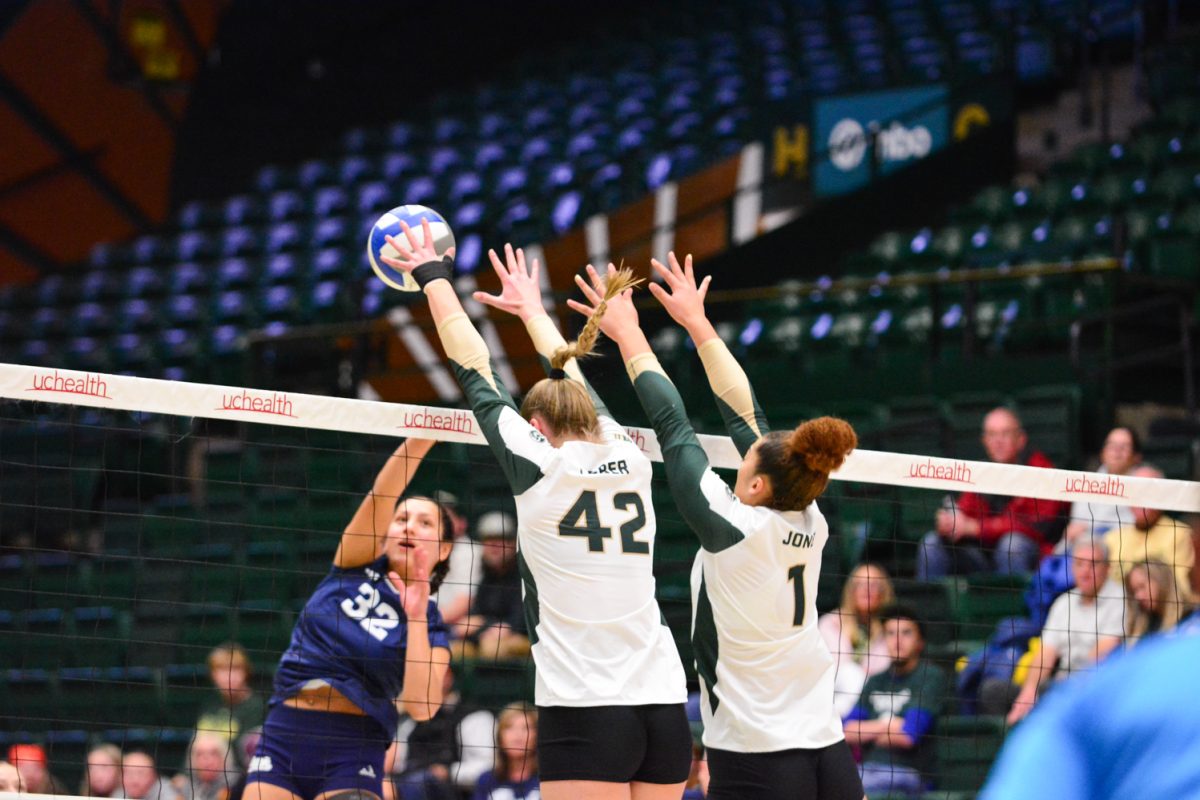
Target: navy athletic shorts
{"points": [[309, 752], [615, 744]]}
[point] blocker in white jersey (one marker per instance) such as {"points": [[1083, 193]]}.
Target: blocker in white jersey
{"points": [[609, 680], [766, 674], [585, 532]]}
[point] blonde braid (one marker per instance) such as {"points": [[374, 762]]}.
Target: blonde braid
{"points": [[586, 341]]}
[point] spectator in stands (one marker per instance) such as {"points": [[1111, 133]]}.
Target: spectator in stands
{"points": [[897, 713], [36, 778], [442, 757], [1129, 730], [516, 774], [102, 772], [495, 627], [854, 633], [466, 565], [140, 779], [210, 773], [989, 533], [1085, 624], [10, 779], [1154, 600], [1189, 623], [1153, 536], [235, 709], [1122, 452]]}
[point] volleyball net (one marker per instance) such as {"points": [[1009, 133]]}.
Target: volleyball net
{"points": [[144, 522]]}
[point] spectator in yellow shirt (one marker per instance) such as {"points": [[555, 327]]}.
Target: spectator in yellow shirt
{"points": [[1153, 536]]}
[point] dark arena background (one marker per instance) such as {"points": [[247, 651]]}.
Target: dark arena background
{"points": [[914, 212]]}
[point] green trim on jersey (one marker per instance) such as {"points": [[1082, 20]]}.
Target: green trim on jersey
{"points": [[743, 435], [705, 645], [685, 461], [488, 402], [529, 599]]}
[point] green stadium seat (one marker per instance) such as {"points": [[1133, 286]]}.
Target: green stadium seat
{"points": [[966, 748], [67, 751], [1050, 416], [126, 696], [30, 698], [493, 685], [270, 571], [264, 628], [212, 575], [937, 602], [967, 410], [43, 639], [986, 600], [101, 636], [186, 688], [204, 628]]}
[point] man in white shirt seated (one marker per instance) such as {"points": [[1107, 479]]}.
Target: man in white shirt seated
{"points": [[1084, 625]]}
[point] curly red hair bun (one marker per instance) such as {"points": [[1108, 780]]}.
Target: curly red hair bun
{"points": [[798, 463], [823, 443]]}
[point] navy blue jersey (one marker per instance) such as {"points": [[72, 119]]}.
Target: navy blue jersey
{"points": [[353, 635]]}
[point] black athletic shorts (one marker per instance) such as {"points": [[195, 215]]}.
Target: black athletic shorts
{"points": [[615, 744], [827, 773]]}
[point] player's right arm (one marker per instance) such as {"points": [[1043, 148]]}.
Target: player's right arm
{"points": [[362, 537], [519, 448], [744, 418], [703, 499]]}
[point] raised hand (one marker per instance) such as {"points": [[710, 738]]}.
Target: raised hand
{"points": [[679, 294], [412, 253], [520, 289], [414, 593], [620, 316]]}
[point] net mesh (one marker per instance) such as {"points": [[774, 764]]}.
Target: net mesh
{"points": [[134, 542]]}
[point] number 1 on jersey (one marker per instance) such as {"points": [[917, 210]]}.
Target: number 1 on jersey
{"points": [[796, 574]]}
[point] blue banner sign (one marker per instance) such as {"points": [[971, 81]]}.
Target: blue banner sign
{"points": [[858, 136]]}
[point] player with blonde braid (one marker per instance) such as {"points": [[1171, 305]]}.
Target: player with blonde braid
{"points": [[766, 675], [610, 686]]}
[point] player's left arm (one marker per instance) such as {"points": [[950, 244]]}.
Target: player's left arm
{"points": [[427, 650], [521, 295], [683, 299]]}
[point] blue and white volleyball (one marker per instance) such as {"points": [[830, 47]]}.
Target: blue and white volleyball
{"points": [[389, 225]]}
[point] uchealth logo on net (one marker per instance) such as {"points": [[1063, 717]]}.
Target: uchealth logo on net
{"points": [[430, 420], [1110, 486], [87, 384], [275, 404], [953, 471]]}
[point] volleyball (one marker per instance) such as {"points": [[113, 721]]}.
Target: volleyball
{"points": [[389, 225]]}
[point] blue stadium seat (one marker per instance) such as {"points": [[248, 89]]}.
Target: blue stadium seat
{"points": [[185, 311], [281, 268], [283, 237], [137, 314], [313, 173], [244, 209], [88, 353], [178, 346], [356, 169], [240, 242], [232, 306], [47, 322], [194, 246], [150, 249], [374, 198], [327, 301], [100, 285], [197, 214], [186, 278], [144, 282], [131, 352], [286, 205], [331, 232], [234, 273], [280, 302], [330, 201], [398, 165], [329, 263]]}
